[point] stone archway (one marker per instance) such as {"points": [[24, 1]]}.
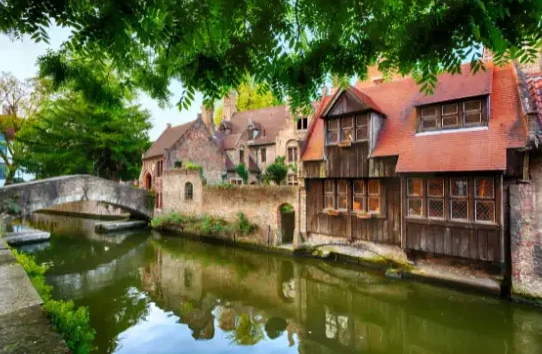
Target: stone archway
{"points": [[286, 222], [148, 181]]}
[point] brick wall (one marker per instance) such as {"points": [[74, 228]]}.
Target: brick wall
{"points": [[198, 146], [526, 233], [260, 204]]}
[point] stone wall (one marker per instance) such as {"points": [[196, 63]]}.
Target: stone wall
{"points": [[526, 233], [260, 204], [198, 146], [89, 207], [173, 194]]}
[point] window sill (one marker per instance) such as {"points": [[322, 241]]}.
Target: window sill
{"points": [[450, 223], [464, 129]]}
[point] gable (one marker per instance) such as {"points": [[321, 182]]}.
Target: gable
{"points": [[345, 103]]}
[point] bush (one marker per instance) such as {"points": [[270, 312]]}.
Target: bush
{"points": [[73, 324], [205, 224], [9, 206], [242, 224], [171, 219], [276, 172], [242, 171]]}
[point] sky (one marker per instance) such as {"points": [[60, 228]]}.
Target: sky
{"points": [[20, 58]]}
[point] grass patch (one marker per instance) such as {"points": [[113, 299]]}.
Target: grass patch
{"points": [[71, 322]]}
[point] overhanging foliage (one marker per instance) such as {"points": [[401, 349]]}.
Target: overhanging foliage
{"points": [[291, 46]]}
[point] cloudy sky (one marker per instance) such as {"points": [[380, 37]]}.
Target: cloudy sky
{"points": [[20, 58]]}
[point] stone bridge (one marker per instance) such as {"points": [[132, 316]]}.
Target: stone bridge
{"points": [[44, 193]]}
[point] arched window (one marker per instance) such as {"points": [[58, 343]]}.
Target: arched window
{"points": [[188, 191]]}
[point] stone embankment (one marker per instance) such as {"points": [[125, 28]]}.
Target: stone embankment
{"points": [[23, 326], [28, 235]]}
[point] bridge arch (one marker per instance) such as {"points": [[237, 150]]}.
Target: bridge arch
{"points": [[40, 194]]}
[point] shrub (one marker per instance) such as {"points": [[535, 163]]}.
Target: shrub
{"points": [[242, 224], [276, 172], [73, 324], [171, 219], [9, 206], [287, 207], [242, 171]]}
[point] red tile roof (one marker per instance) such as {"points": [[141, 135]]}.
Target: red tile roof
{"points": [[535, 91], [167, 139], [270, 120], [480, 150]]}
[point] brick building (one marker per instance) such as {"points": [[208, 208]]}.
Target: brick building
{"points": [[257, 137], [178, 146], [254, 138]]}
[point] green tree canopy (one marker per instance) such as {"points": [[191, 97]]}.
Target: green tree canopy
{"points": [[292, 46], [78, 130], [250, 96], [19, 101]]}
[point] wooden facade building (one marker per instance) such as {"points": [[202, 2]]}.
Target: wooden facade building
{"points": [[388, 164]]}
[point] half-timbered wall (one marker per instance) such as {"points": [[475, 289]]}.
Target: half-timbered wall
{"points": [[384, 228]]}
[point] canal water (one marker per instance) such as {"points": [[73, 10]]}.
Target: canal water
{"points": [[153, 293]]}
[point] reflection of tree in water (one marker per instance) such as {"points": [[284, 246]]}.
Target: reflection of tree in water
{"points": [[275, 326], [226, 318], [248, 330], [114, 310]]}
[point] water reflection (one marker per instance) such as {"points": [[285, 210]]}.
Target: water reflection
{"points": [[154, 294]]}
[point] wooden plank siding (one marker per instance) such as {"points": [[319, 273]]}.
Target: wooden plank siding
{"points": [[474, 243], [347, 162], [472, 240], [382, 229]]}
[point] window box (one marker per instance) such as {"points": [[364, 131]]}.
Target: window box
{"points": [[363, 215], [345, 143], [333, 212]]}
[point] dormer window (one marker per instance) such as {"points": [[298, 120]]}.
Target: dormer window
{"points": [[459, 114], [352, 128]]}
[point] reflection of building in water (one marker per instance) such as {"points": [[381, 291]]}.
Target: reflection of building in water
{"points": [[322, 309]]}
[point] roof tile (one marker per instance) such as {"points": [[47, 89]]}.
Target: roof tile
{"points": [[480, 150]]}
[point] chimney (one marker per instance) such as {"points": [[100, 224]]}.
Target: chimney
{"points": [[229, 106], [207, 118], [325, 91], [168, 126], [377, 80]]}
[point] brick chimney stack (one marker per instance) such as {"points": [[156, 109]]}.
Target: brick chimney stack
{"points": [[207, 118], [229, 106], [168, 126]]}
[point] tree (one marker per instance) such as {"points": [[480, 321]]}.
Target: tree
{"points": [[19, 101], [292, 47], [242, 172], [277, 171], [250, 96], [77, 132]]}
